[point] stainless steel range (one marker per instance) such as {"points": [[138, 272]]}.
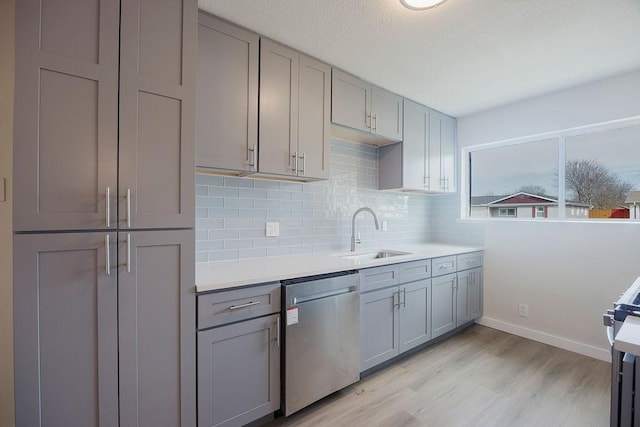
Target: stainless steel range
{"points": [[623, 326]]}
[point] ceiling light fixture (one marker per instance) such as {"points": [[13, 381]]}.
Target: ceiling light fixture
{"points": [[421, 4]]}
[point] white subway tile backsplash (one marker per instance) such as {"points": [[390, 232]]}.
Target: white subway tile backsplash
{"points": [[231, 212]]}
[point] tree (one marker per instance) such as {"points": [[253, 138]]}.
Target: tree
{"points": [[593, 184], [533, 189]]}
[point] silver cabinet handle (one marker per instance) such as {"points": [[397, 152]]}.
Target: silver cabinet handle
{"points": [[252, 156], [294, 162], [301, 171], [278, 331], [426, 181], [249, 304], [107, 256], [404, 297], [375, 122], [128, 207], [396, 294], [107, 196], [454, 282], [128, 252], [367, 120], [443, 266]]}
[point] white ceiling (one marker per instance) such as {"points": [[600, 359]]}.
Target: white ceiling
{"points": [[462, 57]]}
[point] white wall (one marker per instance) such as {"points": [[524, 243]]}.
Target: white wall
{"points": [[6, 159], [568, 273]]}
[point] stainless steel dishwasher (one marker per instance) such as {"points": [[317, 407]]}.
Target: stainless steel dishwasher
{"points": [[321, 337]]}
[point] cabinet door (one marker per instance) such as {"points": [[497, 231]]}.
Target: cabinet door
{"points": [[157, 328], [350, 101], [462, 296], [66, 330], [442, 142], [314, 110], [386, 114], [379, 327], [415, 316], [443, 304], [157, 113], [475, 294], [278, 124], [238, 372], [227, 96], [66, 114], [415, 167]]}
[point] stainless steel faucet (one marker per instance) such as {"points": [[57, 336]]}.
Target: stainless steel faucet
{"points": [[353, 225]]}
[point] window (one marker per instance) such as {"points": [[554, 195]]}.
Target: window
{"points": [[585, 173], [507, 212]]}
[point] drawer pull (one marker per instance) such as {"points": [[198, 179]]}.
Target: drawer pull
{"points": [[249, 304], [442, 267]]}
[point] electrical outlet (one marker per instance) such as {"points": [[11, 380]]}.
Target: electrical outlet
{"points": [[523, 310], [273, 229], [384, 225]]}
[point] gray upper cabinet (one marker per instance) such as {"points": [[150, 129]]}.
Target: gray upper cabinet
{"points": [[227, 96], [157, 113], [294, 113], [104, 118], [156, 328], [442, 147], [405, 165], [386, 114], [358, 105], [350, 101], [278, 124], [314, 112], [66, 330], [66, 115]]}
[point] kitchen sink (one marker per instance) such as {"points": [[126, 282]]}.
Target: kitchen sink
{"points": [[374, 255]]}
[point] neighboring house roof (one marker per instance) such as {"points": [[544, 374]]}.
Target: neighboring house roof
{"points": [[633, 197], [521, 199]]}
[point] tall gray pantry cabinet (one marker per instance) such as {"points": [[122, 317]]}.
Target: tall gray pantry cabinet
{"points": [[104, 295]]}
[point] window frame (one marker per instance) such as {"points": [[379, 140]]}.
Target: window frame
{"points": [[515, 212], [560, 135]]}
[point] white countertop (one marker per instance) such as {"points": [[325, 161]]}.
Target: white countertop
{"points": [[211, 276], [628, 337]]}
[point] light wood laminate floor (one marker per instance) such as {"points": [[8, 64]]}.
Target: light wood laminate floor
{"points": [[480, 377]]}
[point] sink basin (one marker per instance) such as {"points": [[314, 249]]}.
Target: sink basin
{"points": [[374, 255]]}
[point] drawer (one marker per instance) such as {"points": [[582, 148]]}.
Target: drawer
{"points": [[378, 277], [219, 308], [443, 265], [470, 260], [414, 270]]}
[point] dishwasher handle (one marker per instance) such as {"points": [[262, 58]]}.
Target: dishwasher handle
{"points": [[323, 295]]}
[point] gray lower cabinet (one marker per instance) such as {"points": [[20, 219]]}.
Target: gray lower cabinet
{"points": [[469, 295], [456, 297], [395, 315], [443, 304], [104, 336], [66, 330], [156, 313], [238, 355]]}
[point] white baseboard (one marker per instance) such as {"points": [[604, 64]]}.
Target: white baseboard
{"points": [[564, 343]]}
